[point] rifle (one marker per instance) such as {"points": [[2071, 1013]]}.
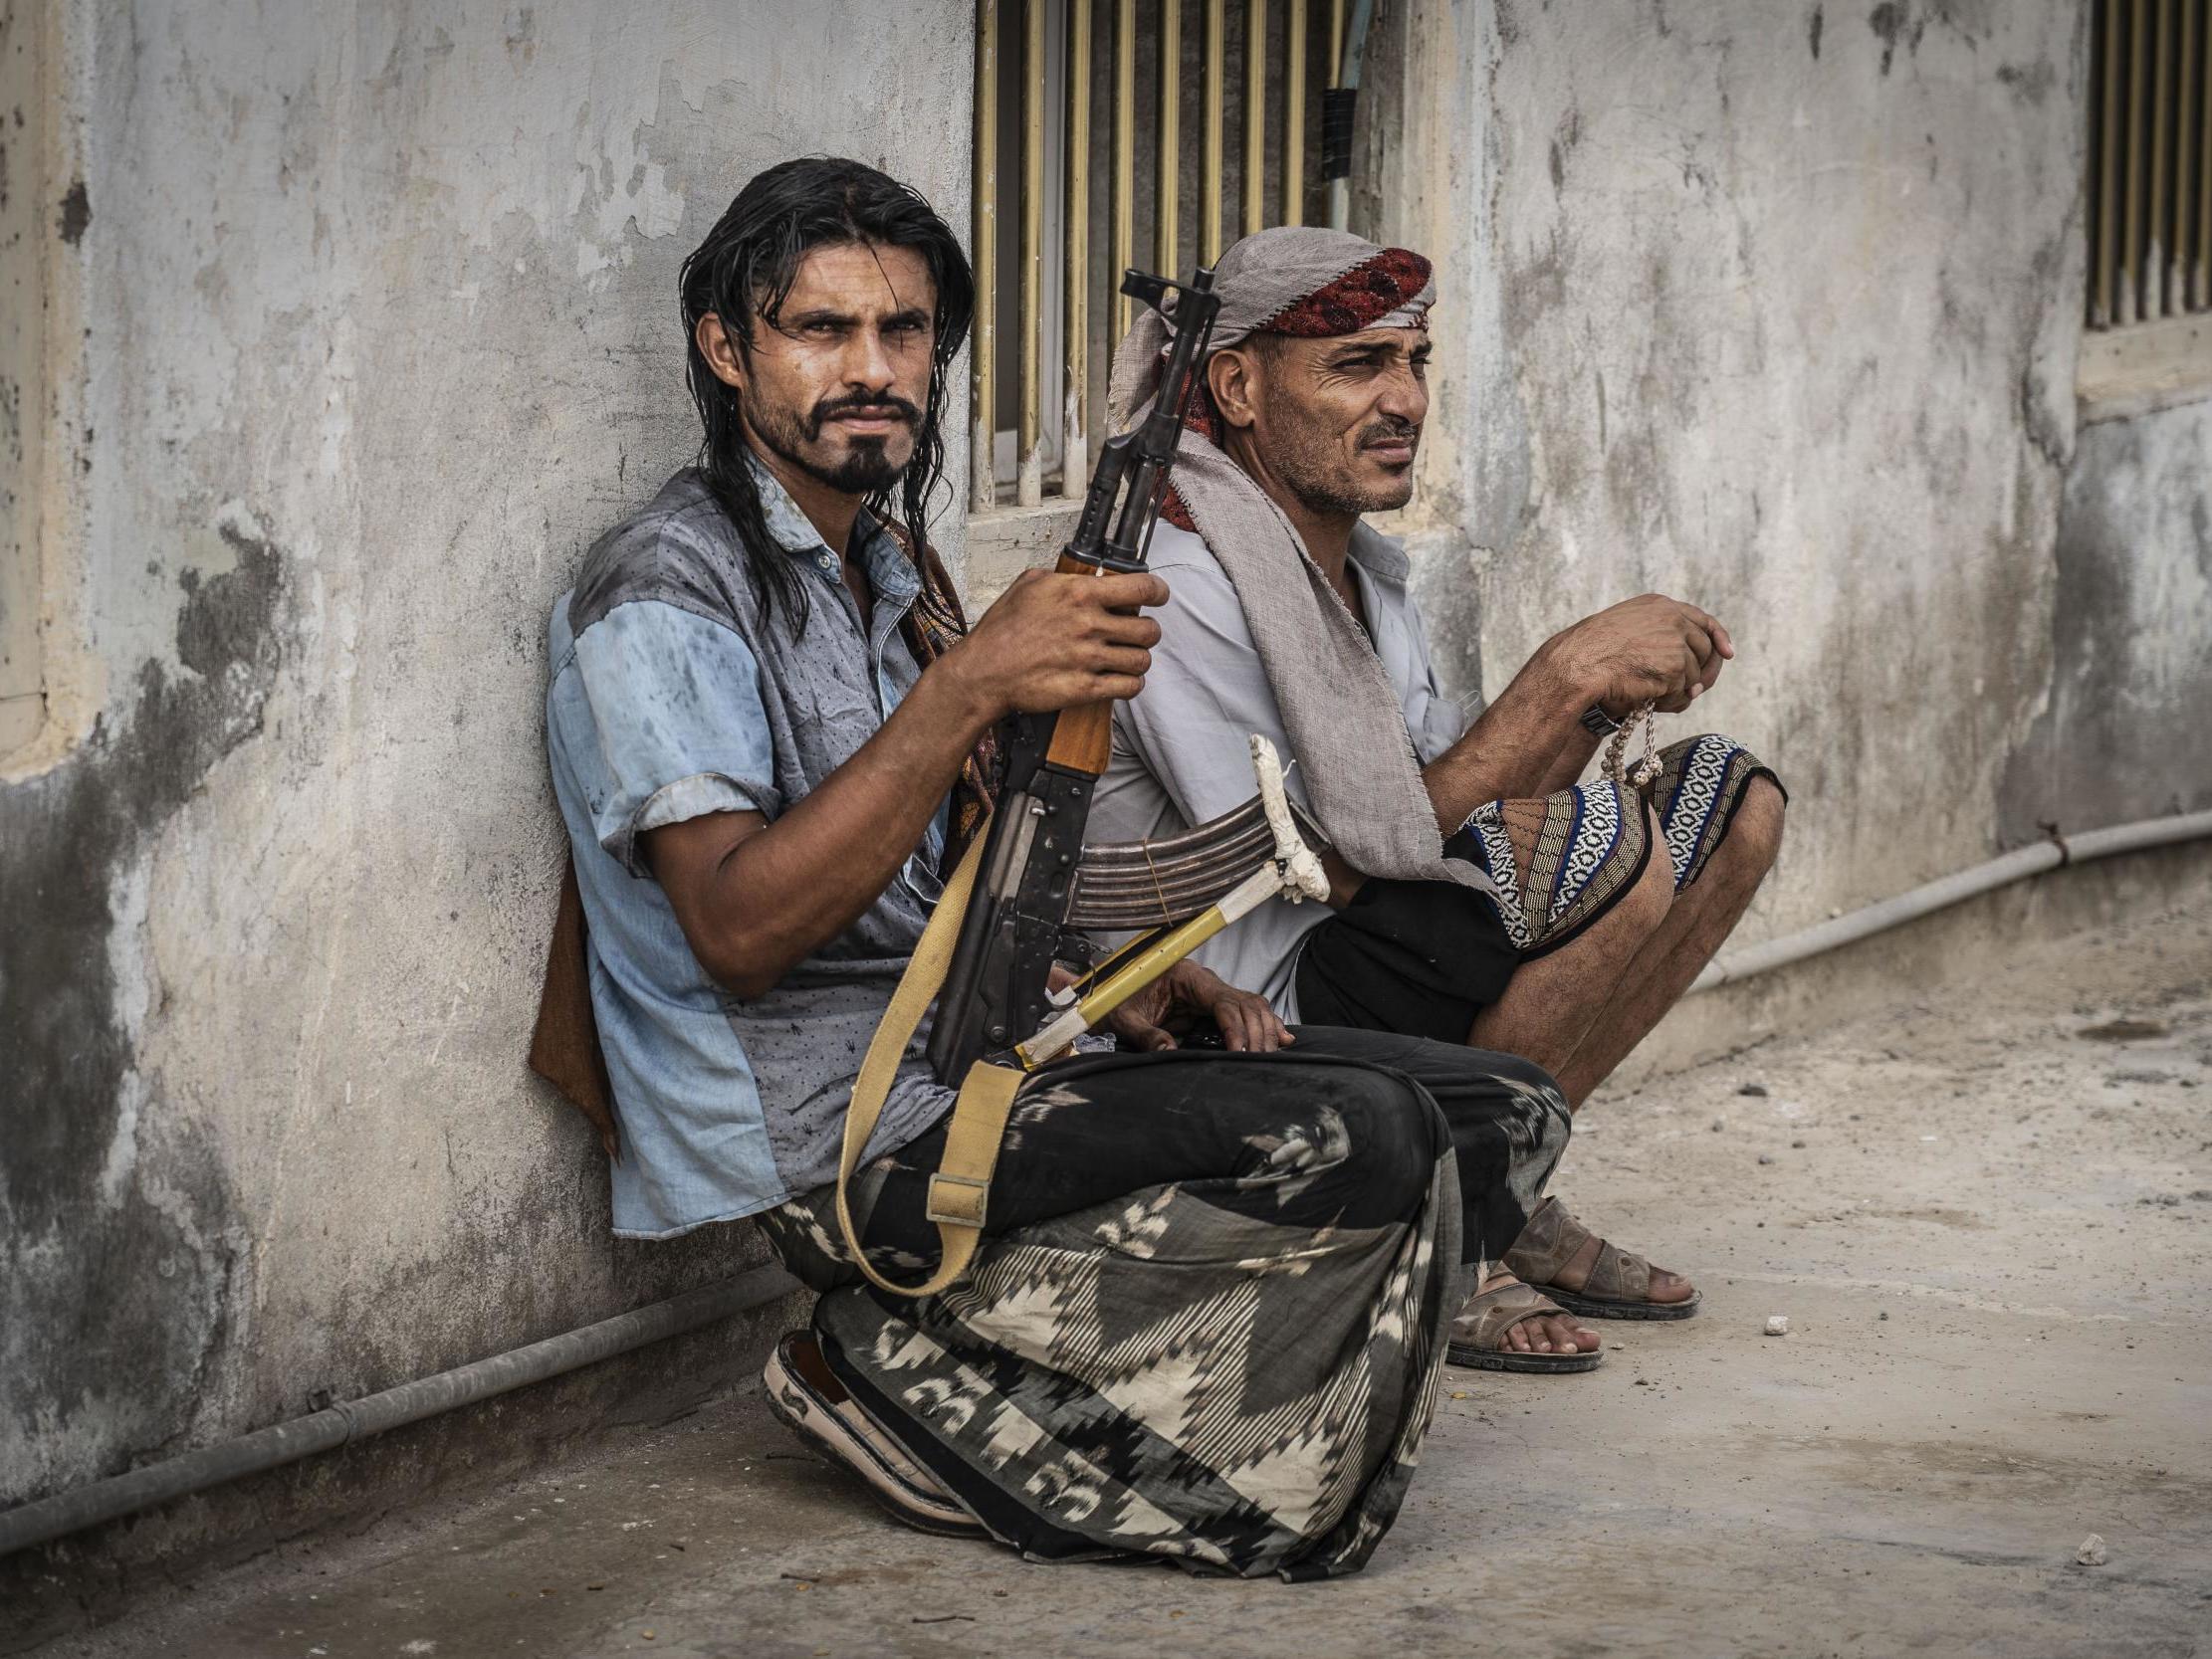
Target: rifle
{"points": [[1039, 885], [1020, 900]]}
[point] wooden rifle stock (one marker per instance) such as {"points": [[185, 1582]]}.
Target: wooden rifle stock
{"points": [[1082, 737]]}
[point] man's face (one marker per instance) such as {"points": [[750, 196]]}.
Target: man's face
{"points": [[1337, 422], [837, 385]]}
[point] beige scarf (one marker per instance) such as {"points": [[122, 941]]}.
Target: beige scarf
{"points": [[1345, 725]]}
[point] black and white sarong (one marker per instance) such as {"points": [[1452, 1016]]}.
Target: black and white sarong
{"points": [[1210, 1312]]}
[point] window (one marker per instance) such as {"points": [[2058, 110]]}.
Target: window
{"points": [[26, 209], [2149, 222], [1112, 133]]}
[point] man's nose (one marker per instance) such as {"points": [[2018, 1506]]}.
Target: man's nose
{"points": [[867, 363], [1404, 397]]}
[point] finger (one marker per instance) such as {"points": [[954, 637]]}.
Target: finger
{"points": [[1233, 1030], [1099, 688], [1712, 628], [1119, 658], [1126, 591], [1117, 629], [1151, 1040]]}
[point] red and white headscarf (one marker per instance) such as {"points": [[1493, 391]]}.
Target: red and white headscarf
{"points": [[1338, 707]]}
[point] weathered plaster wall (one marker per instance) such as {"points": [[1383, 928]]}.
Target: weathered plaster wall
{"points": [[1775, 308], [2123, 735], [383, 331]]}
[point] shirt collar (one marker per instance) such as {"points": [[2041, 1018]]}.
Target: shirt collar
{"points": [[1379, 555], [890, 572]]}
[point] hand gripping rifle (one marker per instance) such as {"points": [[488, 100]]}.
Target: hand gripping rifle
{"points": [[1030, 885]]}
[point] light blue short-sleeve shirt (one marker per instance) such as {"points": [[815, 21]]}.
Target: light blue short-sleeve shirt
{"points": [[673, 696]]}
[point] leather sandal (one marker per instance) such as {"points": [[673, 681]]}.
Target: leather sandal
{"points": [[1478, 1334], [1620, 1283], [806, 1395]]}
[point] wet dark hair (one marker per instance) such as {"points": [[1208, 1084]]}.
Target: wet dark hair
{"points": [[743, 272]]}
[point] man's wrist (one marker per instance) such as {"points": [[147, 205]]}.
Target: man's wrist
{"points": [[1566, 691], [965, 701]]}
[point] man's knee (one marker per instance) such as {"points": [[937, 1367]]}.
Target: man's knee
{"points": [[1394, 1141], [1754, 839], [1646, 904]]}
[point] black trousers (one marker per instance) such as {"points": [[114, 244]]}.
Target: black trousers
{"points": [[1364, 1107]]}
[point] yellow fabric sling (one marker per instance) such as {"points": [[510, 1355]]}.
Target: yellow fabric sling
{"points": [[962, 1186]]}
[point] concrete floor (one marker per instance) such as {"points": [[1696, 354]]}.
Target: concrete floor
{"points": [[1988, 1220]]}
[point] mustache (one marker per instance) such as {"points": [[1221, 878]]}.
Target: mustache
{"points": [[1389, 430], [853, 403]]}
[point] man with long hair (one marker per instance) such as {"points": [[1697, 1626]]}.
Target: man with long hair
{"points": [[1209, 1307]]}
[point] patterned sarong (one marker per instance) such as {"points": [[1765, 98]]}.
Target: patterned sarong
{"points": [[1563, 861], [1208, 1319]]}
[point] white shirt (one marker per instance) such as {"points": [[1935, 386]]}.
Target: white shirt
{"points": [[1181, 754]]}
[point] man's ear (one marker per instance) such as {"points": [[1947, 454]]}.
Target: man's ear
{"points": [[1231, 376], [720, 350]]}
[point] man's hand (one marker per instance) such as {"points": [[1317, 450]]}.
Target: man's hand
{"points": [[1649, 649], [1149, 1020], [1055, 642], [755, 898]]}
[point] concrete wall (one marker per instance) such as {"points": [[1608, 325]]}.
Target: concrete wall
{"points": [[382, 333], [1776, 308], [1772, 306]]}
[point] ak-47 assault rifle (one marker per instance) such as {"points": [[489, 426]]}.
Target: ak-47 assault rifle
{"points": [[1040, 886], [1022, 898]]}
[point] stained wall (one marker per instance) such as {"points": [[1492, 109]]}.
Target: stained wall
{"points": [[381, 332]]}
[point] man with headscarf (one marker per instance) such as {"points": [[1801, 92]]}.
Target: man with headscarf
{"points": [[1480, 895], [1207, 1309]]}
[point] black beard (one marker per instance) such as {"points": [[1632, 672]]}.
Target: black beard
{"points": [[868, 467]]}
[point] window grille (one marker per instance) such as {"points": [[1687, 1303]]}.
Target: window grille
{"points": [[2150, 163], [1085, 113]]}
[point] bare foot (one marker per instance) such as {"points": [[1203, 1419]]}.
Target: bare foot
{"points": [[1542, 1333]]}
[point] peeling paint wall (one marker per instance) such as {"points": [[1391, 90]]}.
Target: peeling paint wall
{"points": [[1775, 308], [383, 332]]}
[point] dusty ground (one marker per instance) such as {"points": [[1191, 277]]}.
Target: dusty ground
{"points": [[1988, 1220]]}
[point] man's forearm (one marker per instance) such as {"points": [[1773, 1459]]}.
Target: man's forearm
{"points": [[1521, 744], [791, 887]]}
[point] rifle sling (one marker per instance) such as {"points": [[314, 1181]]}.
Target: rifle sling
{"points": [[959, 1190]]}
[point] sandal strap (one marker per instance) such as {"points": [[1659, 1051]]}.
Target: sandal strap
{"points": [[1546, 1245], [1619, 1276], [1484, 1320]]}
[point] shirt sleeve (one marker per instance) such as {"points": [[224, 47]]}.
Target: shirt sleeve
{"points": [[1204, 697], [677, 723]]}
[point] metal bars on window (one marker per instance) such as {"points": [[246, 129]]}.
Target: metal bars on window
{"points": [[2150, 161], [1085, 113]]}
